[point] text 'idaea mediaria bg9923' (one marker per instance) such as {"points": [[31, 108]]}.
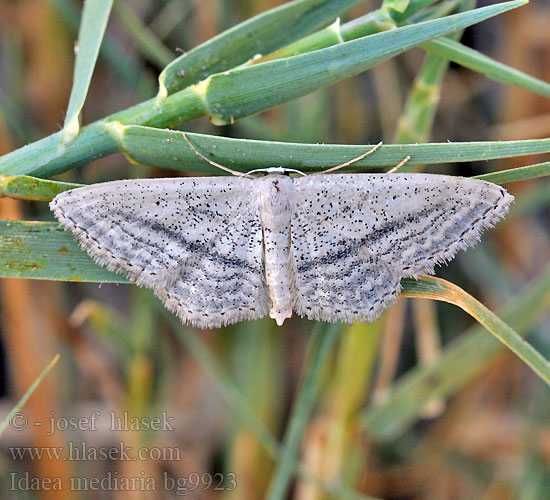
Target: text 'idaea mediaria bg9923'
{"points": [[218, 250]]}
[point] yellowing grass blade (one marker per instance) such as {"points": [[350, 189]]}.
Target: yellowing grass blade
{"points": [[431, 287]]}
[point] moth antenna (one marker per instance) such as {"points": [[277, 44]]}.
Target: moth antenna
{"points": [[399, 165], [338, 167], [198, 153]]}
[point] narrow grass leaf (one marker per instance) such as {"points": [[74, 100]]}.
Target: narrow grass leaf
{"points": [[261, 34], [430, 287], [27, 395], [369, 24], [92, 27], [168, 149], [517, 174], [476, 61], [461, 361]]}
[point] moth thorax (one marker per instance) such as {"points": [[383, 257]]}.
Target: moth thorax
{"points": [[276, 194]]}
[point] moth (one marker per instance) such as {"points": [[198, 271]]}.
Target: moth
{"points": [[330, 247]]}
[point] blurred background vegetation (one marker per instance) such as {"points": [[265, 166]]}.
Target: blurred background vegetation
{"points": [[423, 403]]}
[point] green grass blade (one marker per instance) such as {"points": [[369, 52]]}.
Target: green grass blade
{"points": [[28, 394], [319, 348], [242, 92], [92, 27], [476, 61], [517, 174], [168, 149], [23, 187], [261, 34], [43, 250], [461, 361], [435, 288]]}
